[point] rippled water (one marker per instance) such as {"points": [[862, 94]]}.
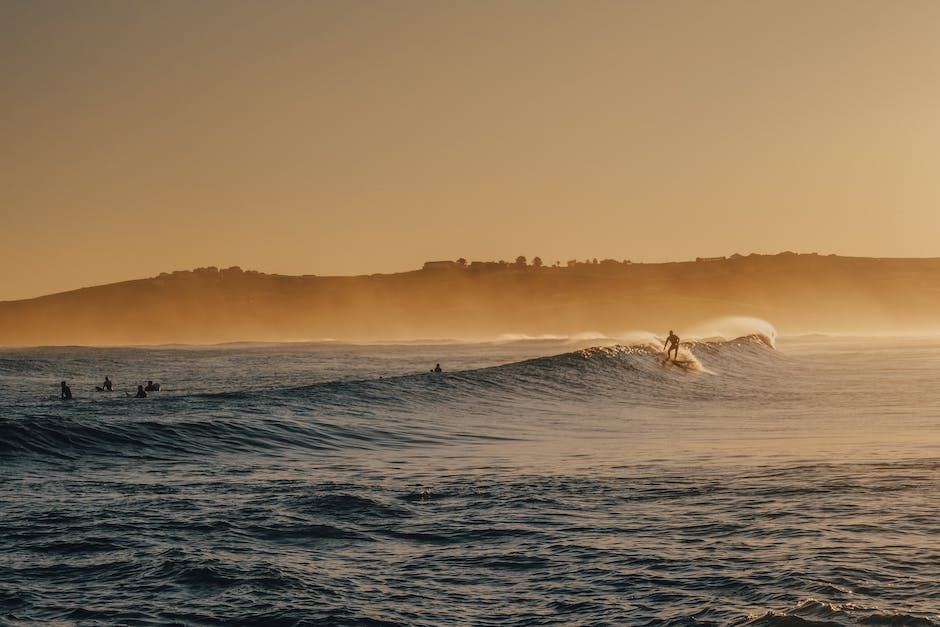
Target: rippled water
{"points": [[530, 483]]}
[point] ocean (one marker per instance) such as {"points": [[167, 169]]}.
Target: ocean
{"points": [[772, 481]]}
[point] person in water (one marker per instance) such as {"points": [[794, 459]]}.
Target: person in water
{"points": [[152, 387], [66, 392], [140, 392], [106, 386], [673, 342], [437, 368]]}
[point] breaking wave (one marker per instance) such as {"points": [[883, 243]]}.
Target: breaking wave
{"points": [[386, 411]]}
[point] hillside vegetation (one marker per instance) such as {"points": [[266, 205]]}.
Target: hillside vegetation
{"points": [[797, 293]]}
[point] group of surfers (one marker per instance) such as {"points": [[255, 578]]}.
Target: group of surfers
{"points": [[108, 386]]}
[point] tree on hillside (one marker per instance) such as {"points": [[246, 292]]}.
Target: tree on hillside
{"points": [[462, 262], [520, 261], [537, 262]]}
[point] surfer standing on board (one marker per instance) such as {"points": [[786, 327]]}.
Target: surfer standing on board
{"points": [[673, 342]]}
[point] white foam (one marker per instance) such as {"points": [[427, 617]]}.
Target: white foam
{"points": [[731, 327]]}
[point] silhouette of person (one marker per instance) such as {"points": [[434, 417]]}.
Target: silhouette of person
{"points": [[673, 342], [66, 392], [107, 384], [437, 368], [152, 387], [140, 392]]}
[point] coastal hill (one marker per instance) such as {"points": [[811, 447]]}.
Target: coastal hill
{"points": [[454, 299]]}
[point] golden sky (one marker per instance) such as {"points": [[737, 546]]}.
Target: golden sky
{"points": [[355, 136]]}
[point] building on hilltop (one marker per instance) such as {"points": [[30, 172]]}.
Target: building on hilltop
{"points": [[441, 265]]}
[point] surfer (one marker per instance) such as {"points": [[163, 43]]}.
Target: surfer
{"points": [[673, 342], [152, 387], [437, 368], [66, 392], [140, 392], [106, 386]]}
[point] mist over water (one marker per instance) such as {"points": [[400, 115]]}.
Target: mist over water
{"points": [[564, 480]]}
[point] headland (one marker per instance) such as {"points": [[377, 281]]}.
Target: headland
{"points": [[461, 300]]}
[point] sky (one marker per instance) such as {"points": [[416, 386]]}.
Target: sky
{"points": [[356, 137]]}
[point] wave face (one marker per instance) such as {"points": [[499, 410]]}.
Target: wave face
{"points": [[549, 481], [377, 411]]}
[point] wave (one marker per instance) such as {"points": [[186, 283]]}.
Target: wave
{"points": [[588, 372], [813, 612], [402, 411]]}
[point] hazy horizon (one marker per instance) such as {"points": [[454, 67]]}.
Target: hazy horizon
{"points": [[609, 299], [509, 261]]}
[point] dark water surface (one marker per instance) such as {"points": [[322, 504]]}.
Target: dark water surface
{"points": [[531, 483]]}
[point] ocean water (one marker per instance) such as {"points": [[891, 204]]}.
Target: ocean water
{"points": [[533, 482]]}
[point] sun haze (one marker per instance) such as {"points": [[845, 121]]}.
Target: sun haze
{"points": [[360, 137]]}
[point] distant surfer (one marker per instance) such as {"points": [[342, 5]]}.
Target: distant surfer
{"points": [[152, 387], [66, 392], [140, 392], [437, 368], [107, 386], [673, 342]]}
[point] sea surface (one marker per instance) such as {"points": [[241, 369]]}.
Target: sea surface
{"points": [[536, 481]]}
